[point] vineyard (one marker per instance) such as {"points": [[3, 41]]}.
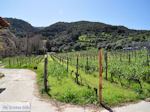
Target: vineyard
{"points": [[22, 61], [74, 77]]}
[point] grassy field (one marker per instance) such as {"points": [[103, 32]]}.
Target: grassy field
{"points": [[22, 61], [128, 76]]}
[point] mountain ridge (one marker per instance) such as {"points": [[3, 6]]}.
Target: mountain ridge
{"points": [[79, 35]]}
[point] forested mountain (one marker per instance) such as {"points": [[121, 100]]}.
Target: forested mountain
{"points": [[21, 28], [83, 35], [63, 36], [82, 27]]}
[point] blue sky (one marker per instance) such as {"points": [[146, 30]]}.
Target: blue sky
{"points": [[131, 13]]}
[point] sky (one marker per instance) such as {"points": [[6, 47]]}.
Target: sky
{"points": [[134, 14]]}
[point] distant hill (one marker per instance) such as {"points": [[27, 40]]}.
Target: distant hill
{"points": [[20, 27], [83, 27], [81, 35], [64, 36]]}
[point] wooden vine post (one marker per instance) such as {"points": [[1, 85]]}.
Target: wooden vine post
{"points": [[106, 64], [147, 57], [120, 57], [77, 66], [87, 63], [129, 56], [77, 72], [100, 75], [9, 62], [67, 64], [45, 74]]}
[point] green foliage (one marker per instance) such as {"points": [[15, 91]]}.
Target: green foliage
{"points": [[75, 36], [22, 61], [20, 27], [127, 80]]}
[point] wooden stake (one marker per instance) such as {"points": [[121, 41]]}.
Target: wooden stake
{"points": [[106, 63], [120, 57], [129, 57], [77, 72], [87, 64], [147, 57], [77, 64], [9, 62], [67, 64], [45, 74], [100, 74]]}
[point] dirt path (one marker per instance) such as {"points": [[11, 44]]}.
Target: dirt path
{"points": [[20, 84]]}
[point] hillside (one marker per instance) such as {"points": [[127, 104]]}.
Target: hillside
{"points": [[20, 27], [83, 35], [64, 36]]}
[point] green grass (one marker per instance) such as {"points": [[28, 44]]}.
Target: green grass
{"points": [[21, 61], [62, 85], [113, 93]]}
